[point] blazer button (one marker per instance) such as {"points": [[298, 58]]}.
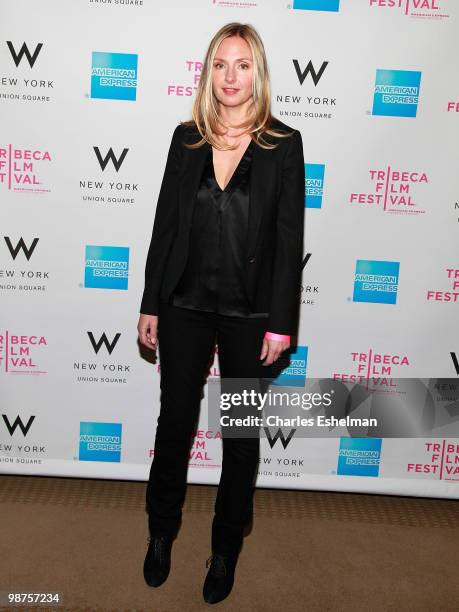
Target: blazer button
{"points": [[252, 259]]}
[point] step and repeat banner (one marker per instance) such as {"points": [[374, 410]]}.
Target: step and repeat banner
{"points": [[90, 94]]}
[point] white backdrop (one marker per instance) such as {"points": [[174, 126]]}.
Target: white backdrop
{"points": [[73, 404]]}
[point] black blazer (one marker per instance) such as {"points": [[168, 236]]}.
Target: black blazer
{"points": [[275, 226]]}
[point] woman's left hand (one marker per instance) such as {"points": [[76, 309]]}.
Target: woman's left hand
{"points": [[272, 349]]}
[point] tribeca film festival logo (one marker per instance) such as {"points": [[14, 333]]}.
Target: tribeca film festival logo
{"points": [[396, 93], [392, 191], [193, 69], [110, 191], [203, 449], [20, 277], [420, 9], [21, 353], [452, 106], [359, 456], [206, 443], [114, 76], [20, 169], [103, 370], [18, 88], [315, 5], [27, 451], [106, 267], [100, 442], [376, 281], [436, 295], [441, 461], [313, 185], [372, 367]]}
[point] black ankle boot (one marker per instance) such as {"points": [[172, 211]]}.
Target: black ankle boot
{"points": [[220, 577], [157, 563]]}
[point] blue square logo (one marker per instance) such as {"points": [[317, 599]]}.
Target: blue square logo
{"points": [[106, 267], [100, 442], [313, 185], [114, 76], [376, 281], [359, 456], [290, 370], [316, 5], [396, 93]]}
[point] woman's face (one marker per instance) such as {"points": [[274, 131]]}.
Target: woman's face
{"points": [[232, 72]]}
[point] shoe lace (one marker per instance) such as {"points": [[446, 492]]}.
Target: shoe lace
{"points": [[217, 565]]}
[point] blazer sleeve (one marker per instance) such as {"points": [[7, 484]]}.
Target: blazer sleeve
{"points": [[287, 268], [164, 227]]}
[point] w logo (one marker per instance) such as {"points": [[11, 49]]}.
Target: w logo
{"points": [[103, 340], [306, 258], [110, 156], [455, 362], [24, 50], [11, 427], [302, 74], [279, 435], [21, 246]]}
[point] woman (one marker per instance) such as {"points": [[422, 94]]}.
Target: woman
{"points": [[223, 266]]}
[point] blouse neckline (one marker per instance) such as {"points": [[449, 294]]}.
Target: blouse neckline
{"points": [[240, 168]]}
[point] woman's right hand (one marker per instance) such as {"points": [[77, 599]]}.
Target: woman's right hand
{"points": [[148, 330]]}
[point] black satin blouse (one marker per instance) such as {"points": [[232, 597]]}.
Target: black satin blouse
{"points": [[213, 277]]}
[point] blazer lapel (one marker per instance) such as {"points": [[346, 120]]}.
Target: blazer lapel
{"points": [[190, 180], [256, 199]]}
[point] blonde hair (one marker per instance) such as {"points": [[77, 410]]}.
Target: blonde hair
{"points": [[205, 108]]}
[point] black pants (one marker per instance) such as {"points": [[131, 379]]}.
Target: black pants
{"points": [[186, 341]]}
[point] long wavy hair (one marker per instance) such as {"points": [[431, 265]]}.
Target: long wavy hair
{"points": [[205, 106]]}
